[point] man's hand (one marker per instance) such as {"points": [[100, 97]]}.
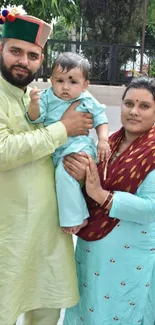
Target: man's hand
{"points": [[76, 164], [77, 123]]}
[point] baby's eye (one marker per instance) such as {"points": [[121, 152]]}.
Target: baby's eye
{"points": [[74, 82], [60, 80]]}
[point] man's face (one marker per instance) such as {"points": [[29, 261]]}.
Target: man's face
{"points": [[20, 61]]}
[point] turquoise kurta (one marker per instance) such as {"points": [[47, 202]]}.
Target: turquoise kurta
{"points": [[51, 111], [37, 268], [117, 273]]}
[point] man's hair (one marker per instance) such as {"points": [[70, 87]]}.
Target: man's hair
{"points": [[68, 61], [141, 83]]}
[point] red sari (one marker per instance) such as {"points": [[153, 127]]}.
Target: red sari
{"points": [[124, 174]]}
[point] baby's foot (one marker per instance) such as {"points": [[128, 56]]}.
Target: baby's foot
{"points": [[75, 229]]}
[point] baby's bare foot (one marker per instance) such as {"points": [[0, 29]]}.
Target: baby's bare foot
{"points": [[75, 229]]}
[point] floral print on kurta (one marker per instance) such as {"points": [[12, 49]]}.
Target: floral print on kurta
{"points": [[117, 273]]}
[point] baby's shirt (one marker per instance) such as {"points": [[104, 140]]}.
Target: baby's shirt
{"points": [[51, 110]]}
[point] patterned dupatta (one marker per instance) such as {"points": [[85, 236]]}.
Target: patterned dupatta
{"points": [[124, 174]]}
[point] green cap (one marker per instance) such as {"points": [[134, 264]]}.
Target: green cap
{"points": [[26, 28]]}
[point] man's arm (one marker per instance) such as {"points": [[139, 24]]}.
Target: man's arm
{"points": [[19, 149]]}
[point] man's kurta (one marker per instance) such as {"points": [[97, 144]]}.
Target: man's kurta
{"points": [[37, 268]]}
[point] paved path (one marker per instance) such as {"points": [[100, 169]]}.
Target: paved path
{"points": [[113, 113]]}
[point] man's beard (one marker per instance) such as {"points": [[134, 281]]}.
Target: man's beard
{"points": [[18, 80]]}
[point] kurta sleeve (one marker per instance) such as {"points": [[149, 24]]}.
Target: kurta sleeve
{"points": [[19, 149], [138, 207]]}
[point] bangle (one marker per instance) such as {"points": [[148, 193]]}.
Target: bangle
{"points": [[107, 200]]}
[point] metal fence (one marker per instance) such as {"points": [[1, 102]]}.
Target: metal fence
{"points": [[110, 64]]}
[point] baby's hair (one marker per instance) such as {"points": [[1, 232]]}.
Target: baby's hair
{"points": [[69, 60], [141, 83]]}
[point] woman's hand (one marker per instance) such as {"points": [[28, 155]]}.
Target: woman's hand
{"points": [[75, 164], [93, 185]]}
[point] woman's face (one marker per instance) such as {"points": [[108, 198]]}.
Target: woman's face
{"points": [[138, 111]]}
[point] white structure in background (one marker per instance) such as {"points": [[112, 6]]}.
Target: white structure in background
{"points": [[132, 68]]}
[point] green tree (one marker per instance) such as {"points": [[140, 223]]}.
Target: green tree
{"points": [[150, 25], [152, 69], [46, 9], [61, 30], [114, 21]]}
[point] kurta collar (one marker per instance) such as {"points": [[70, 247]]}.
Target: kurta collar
{"points": [[14, 91]]}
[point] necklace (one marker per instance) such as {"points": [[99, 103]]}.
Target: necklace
{"points": [[115, 156]]}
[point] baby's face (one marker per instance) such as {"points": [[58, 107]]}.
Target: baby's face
{"points": [[68, 85]]}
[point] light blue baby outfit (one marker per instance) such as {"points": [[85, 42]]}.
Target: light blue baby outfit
{"points": [[117, 273], [72, 206]]}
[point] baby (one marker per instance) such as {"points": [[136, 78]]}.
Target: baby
{"points": [[70, 81]]}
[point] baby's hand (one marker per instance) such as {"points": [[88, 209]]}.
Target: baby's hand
{"points": [[35, 95], [103, 150]]}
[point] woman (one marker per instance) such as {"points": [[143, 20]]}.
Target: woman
{"points": [[117, 273]]}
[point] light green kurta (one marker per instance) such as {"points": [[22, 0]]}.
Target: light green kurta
{"points": [[37, 267]]}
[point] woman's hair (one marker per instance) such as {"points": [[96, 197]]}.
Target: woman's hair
{"points": [[69, 60], [141, 83]]}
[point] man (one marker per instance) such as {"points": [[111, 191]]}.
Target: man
{"points": [[37, 268]]}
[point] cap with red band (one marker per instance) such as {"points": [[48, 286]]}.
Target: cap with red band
{"points": [[18, 25]]}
